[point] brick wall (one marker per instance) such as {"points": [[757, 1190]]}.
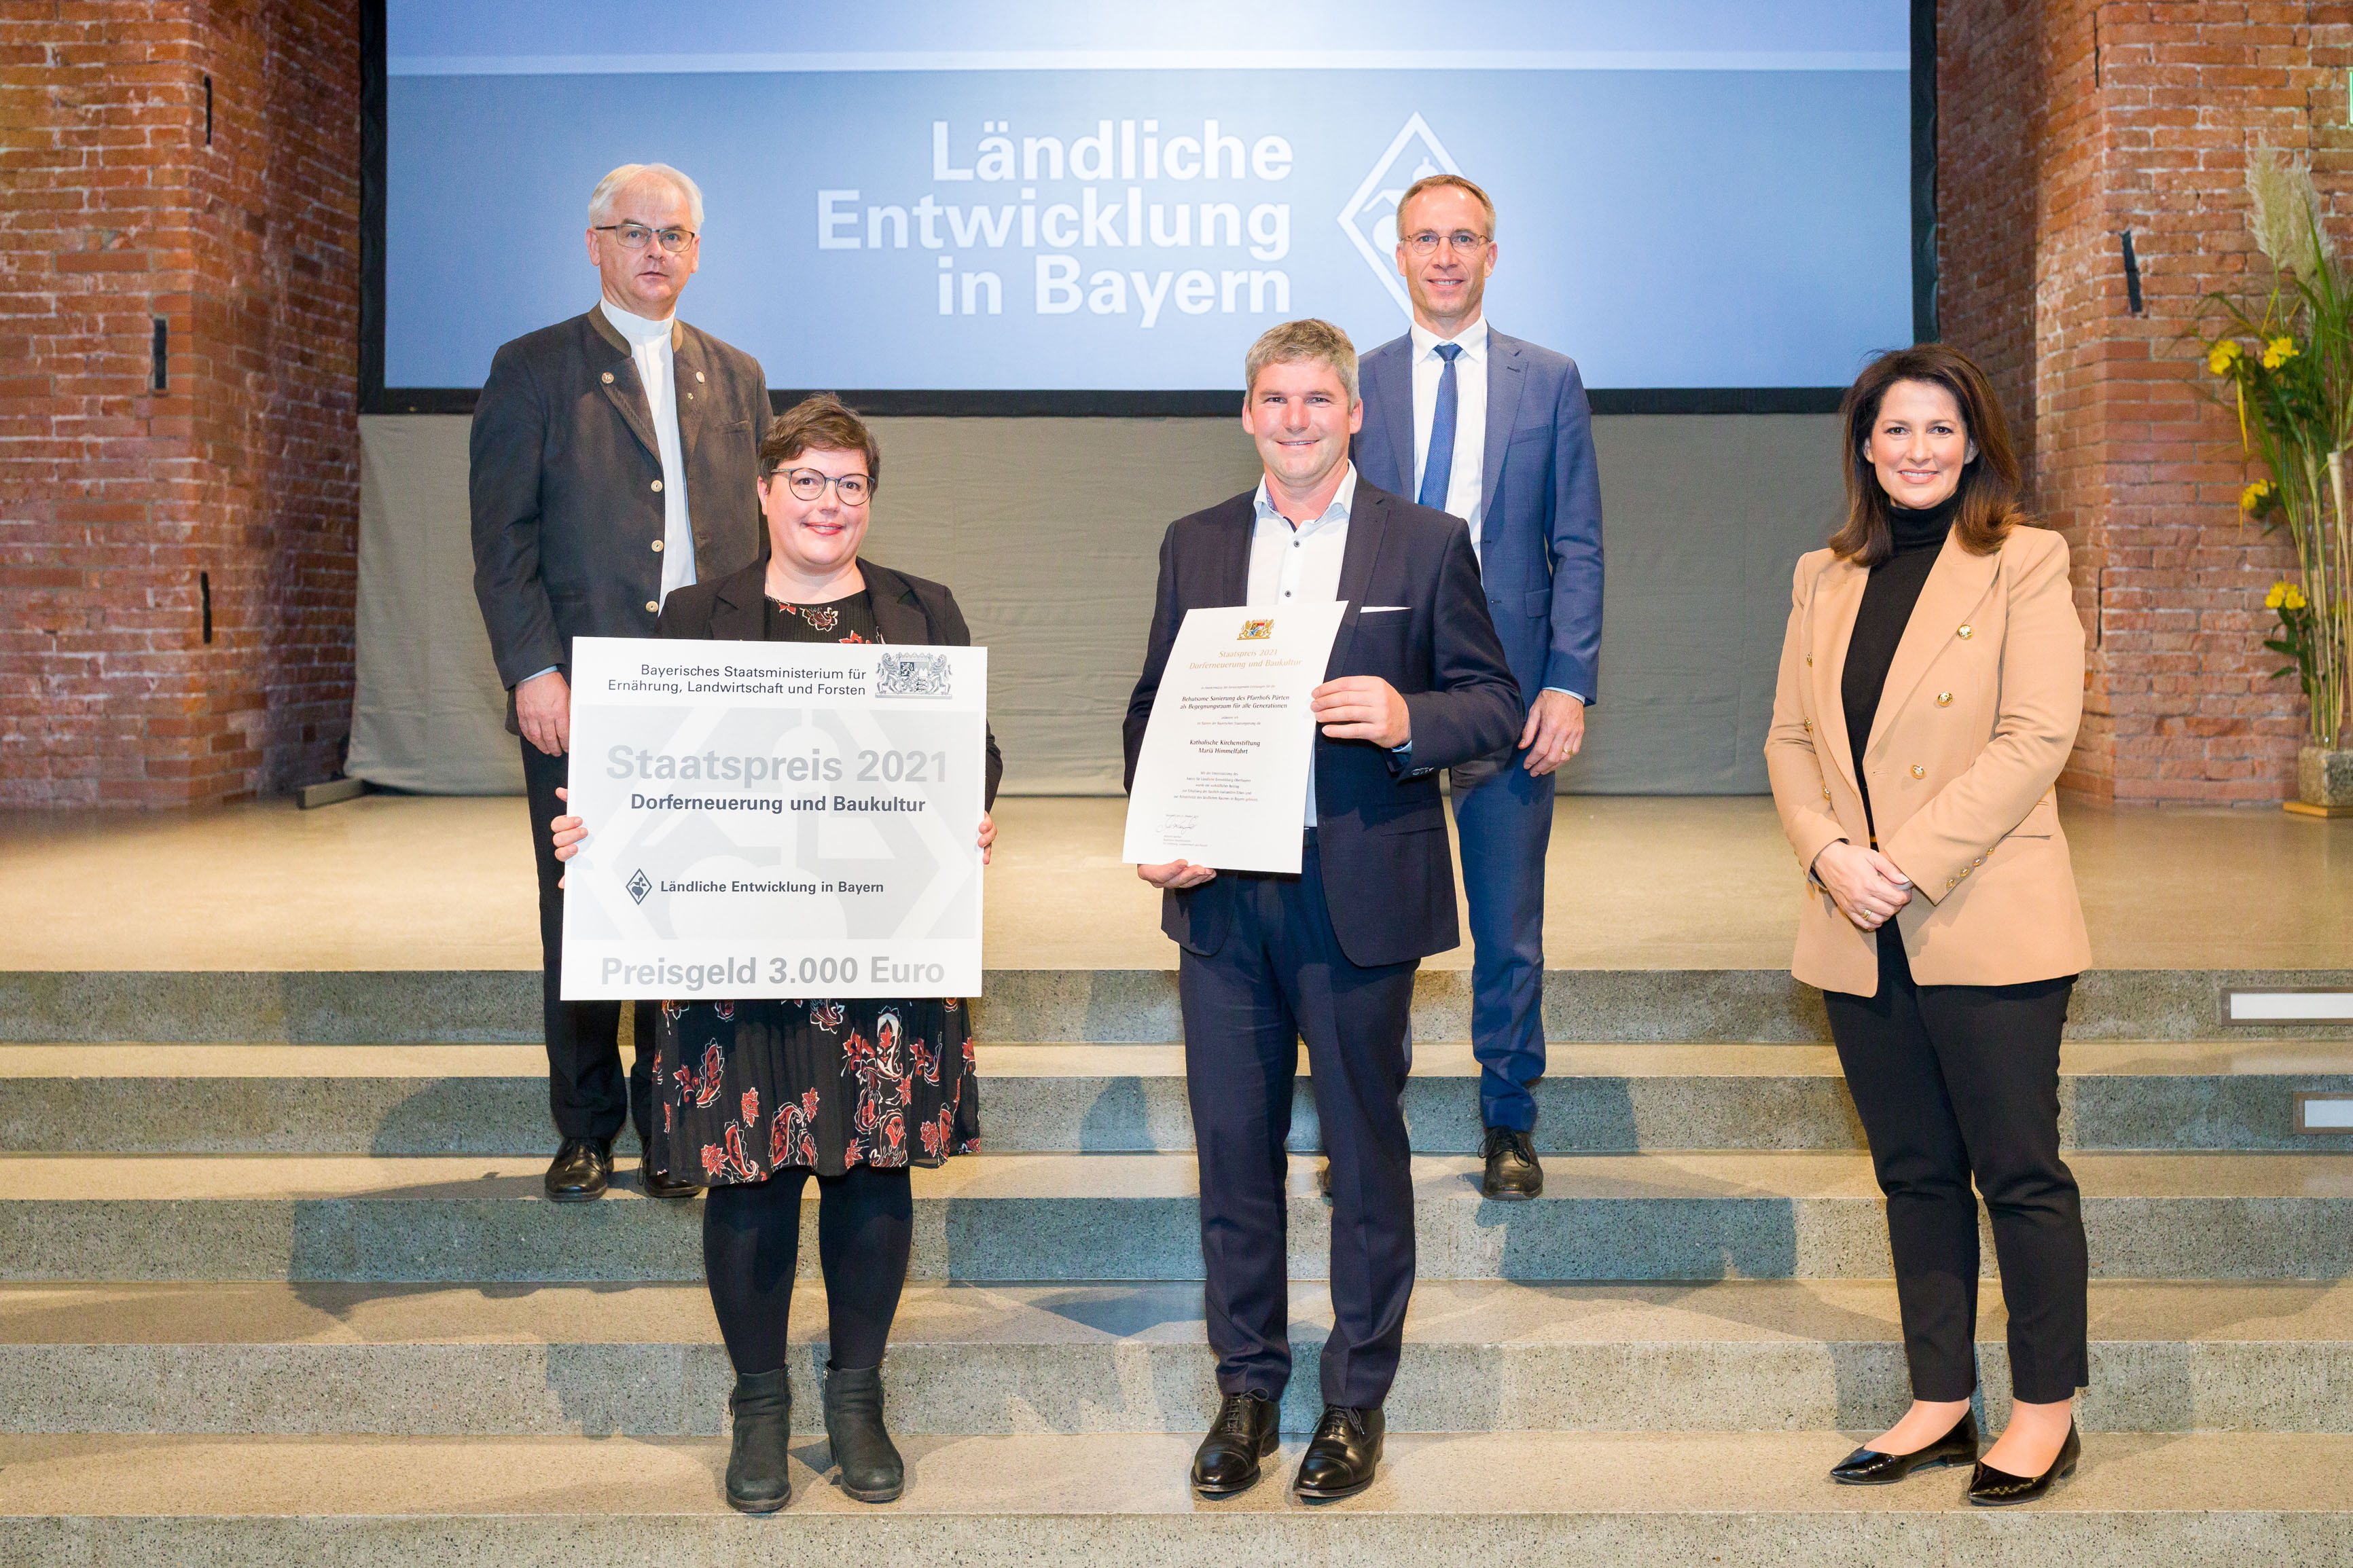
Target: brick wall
{"points": [[2064, 123], [114, 210]]}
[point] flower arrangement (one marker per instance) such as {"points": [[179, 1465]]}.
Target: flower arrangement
{"points": [[2287, 368]]}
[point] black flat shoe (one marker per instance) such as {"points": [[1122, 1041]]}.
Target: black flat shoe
{"points": [[1870, 1468], [1345, 1451], [581, 1170], [1990, 1488], [657, 1185], [1243, 1434], [1512, 1173]]}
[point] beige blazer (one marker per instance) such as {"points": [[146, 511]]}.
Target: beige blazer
{"points": [[1979, 712]]}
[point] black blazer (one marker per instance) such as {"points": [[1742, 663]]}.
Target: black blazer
{"points": [[911, 612], [563, 480], [1388, 875]]}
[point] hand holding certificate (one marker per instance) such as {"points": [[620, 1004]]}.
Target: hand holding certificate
{"points": [[1222, 777], [774, 819]]}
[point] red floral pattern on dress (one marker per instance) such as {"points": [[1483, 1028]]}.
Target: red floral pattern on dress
{"points": [[842, 1083]]}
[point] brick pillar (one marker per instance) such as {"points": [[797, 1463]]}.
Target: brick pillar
{"points": [[2064, 124], [130, 194]]}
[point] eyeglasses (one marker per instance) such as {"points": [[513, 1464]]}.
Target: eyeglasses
{"points": [[1425, 243], [634, 235], [807, 484]]}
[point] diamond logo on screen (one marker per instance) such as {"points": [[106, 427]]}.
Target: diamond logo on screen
{"points": [[639, 887], [1370, 218]]}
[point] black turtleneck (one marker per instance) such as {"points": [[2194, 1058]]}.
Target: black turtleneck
{"points": [[1887, 602]]}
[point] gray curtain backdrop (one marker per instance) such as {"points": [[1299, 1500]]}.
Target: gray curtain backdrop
{"points": [[1049, 531]]}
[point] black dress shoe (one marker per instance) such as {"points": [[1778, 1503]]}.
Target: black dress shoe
{"points": [[1512, 1173], [759, 1472], [657, 1185], [1243, 1434], [1990, 1488], [1341, 1459], [583, 1169], [1870, 1468]]}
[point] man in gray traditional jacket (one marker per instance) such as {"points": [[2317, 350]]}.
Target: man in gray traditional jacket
{"points": [[614, 459]]}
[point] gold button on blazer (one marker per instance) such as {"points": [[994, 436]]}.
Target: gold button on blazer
{"points": [[1986, 690]]}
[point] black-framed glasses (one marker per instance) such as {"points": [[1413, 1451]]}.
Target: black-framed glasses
{"points": [[807, 484], [1426, 241], [635, 236]]}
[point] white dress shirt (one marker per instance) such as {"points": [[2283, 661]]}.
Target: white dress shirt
{"points": [[1465, 482], [1295, 564], [658, 372]]}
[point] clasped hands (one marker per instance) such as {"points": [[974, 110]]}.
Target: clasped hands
{"points": [[1866, 885], [1353, 708]]}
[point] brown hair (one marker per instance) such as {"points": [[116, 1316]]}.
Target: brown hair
{"points": [[1989, 484], [826, 424], [1306, 339], [1432, 181]]}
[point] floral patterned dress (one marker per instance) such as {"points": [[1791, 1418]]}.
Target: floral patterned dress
{"points": [[742, 1090]]}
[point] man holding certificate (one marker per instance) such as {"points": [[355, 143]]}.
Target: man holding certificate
{"points": [[1415, 682]]}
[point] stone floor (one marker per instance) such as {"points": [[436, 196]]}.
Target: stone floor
{"points": [[414, 882]]}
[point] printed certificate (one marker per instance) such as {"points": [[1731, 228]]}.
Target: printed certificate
{"points": [[1223, 778], [774, 819]]}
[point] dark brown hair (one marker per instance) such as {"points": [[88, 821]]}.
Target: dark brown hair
{"points": [[1989, 484], [825, 424]]}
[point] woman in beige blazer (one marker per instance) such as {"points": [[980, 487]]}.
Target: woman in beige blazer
{"points": [[1931, 684]]}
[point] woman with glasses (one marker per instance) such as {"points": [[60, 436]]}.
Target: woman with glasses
{"points": [[1932, 681], [755, 1097]]}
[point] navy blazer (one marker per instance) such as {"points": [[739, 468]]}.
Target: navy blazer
{"points": [[909, 611], [1389, 875], [1540, 530]]}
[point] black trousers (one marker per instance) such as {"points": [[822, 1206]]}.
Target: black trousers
{"points": [[1281, 977], [751, 1247], [1956, 1081], [585, 1090]]}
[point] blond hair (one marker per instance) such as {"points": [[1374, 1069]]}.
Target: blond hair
{"points": [[1307, 339]]}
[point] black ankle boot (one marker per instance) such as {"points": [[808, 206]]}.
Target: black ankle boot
{"points": [[871, 1471], [759, 1478]]}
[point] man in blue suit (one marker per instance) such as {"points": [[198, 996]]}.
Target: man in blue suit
{"points": [[1416, 682], [1497, 432]]}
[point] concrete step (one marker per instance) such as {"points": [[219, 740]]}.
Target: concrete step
{"points": [[1479, 1355], [1124, 1217], [1640, 1501], [493, 1099], [1060, 1005]]}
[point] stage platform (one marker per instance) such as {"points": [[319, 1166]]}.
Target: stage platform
{"points": [[276, 1282], [408, 882]]}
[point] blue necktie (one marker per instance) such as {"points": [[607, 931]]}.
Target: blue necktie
{"points": [[1438, 469]]}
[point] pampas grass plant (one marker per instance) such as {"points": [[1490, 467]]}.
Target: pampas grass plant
{"points": [[2286, 366]]}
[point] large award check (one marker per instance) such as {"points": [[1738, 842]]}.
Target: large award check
{"points": [[774, 819], [1221, 779]]}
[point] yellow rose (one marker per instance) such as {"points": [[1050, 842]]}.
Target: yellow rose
{"points": [[2278, 595], [2223, 356], [2291, 597], [2278, 351], [2252, 498]]}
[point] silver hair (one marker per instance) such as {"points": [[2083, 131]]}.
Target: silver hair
{"points": [[608, 191], [1306, 339]]}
